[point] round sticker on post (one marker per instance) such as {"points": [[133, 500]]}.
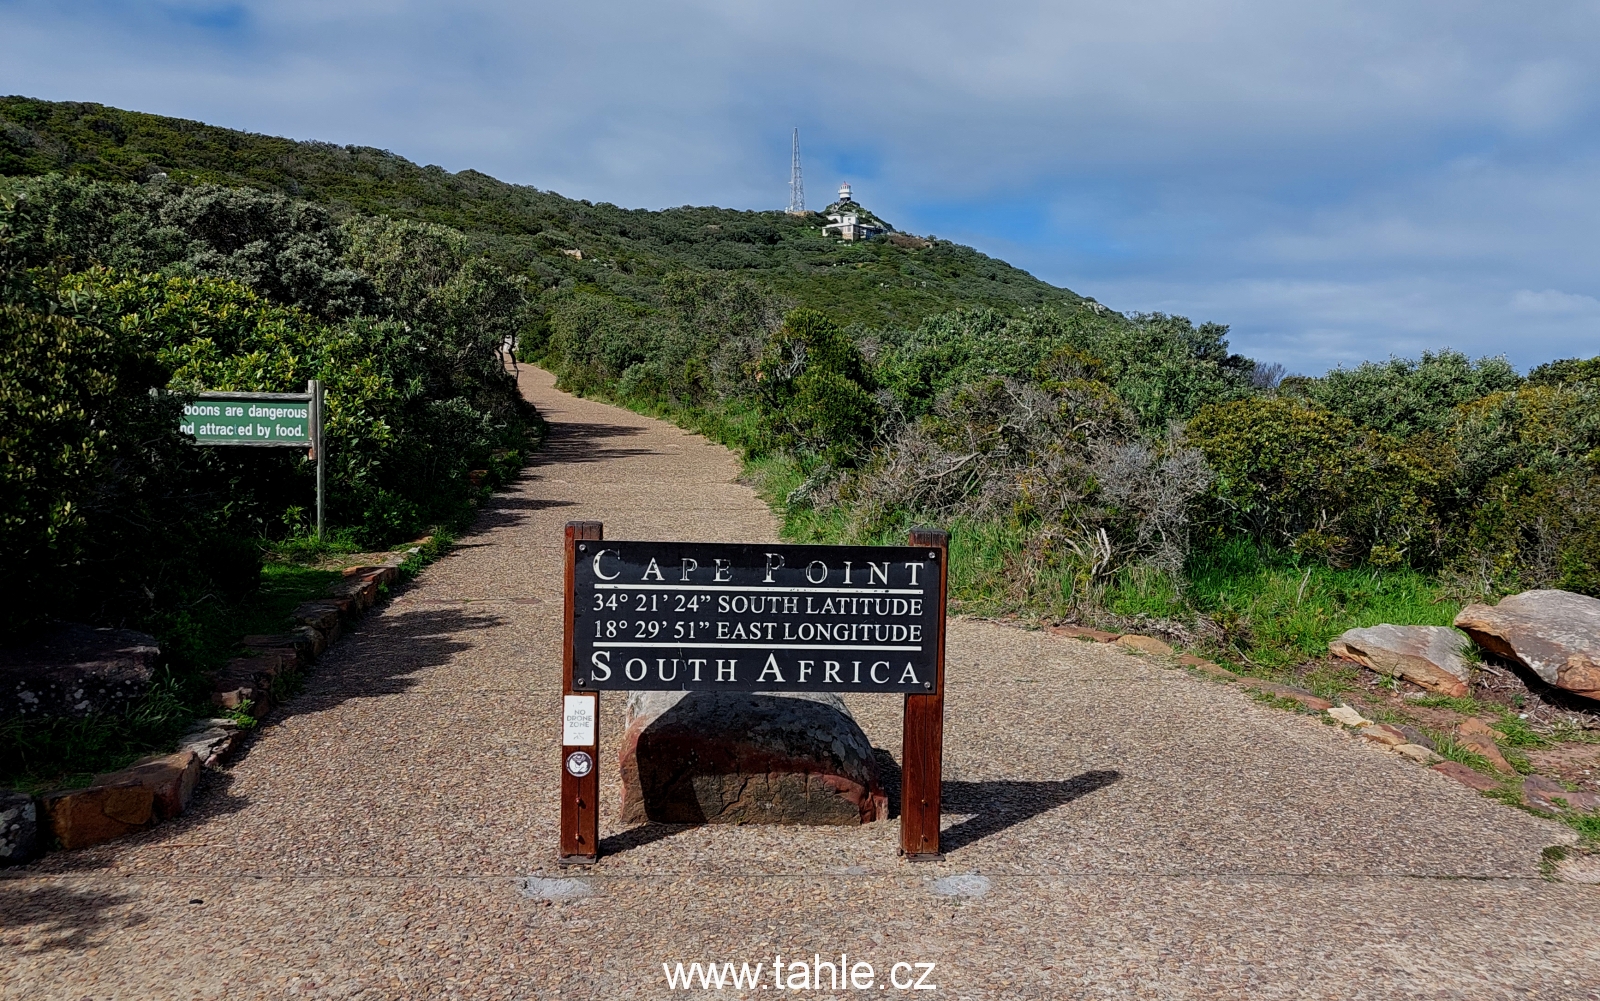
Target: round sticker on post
{"points": [[579, 763]]}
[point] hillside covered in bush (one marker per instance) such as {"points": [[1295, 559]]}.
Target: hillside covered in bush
{"points": [[626, 253], [1093, 465]]}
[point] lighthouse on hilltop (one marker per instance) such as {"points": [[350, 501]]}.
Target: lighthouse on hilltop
{"points": [[844, 218]]}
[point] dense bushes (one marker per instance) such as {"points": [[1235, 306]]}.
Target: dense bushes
{"points": [[816, 389], [122, 298], [1104, 444], [1402, 396], [1296, 476]]}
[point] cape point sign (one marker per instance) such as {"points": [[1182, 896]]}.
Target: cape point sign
{"points": [[736, 618], [713, 617]]}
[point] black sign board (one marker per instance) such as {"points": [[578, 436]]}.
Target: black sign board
{"points": [[769, 618], [710, 617]]}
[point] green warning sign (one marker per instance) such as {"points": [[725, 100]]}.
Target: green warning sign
{"points": [[283, 419]]}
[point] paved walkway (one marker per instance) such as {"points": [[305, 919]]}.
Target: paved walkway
{"points": [[1118, 829]]}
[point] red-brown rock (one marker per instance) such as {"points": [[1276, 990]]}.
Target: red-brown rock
{"points": [[1548, 794], [1429, 656], [384, 574], [363, 592], [1299, 695], [83, 817], [1385, 734], [169, 777], [324, 616], [307, 643], [1466, 776], [1555, 634], [1484, 745], [745, 758]]}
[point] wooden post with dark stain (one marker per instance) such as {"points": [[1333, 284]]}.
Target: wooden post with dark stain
{"points": [[922, 743], [580, 795]]}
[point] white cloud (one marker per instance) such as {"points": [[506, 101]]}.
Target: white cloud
{"points": [[1552, 302], [1333, 179]]}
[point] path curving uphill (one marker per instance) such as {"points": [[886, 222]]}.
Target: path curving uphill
{"points": [[1113, 828]]}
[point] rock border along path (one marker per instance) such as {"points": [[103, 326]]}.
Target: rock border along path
{"points": [[1114, 828]]}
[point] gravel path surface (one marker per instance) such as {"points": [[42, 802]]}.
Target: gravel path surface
{"points": [[1114, 828]]}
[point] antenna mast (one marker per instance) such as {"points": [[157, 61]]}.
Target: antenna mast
{"points": [[797, 188]]}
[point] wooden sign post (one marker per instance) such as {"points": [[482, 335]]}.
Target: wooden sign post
{"points": [[685, 616]]}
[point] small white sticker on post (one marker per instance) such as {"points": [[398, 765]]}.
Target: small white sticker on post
{"points": [[577, 720]]}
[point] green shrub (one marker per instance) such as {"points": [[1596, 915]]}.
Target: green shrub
{"points": [[1402, 396], [105, 513], [816, 392], [1165, 368], [1565, 372], [1294, 475]]}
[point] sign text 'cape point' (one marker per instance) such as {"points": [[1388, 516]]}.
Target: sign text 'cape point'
{"points": [[703, 616]]}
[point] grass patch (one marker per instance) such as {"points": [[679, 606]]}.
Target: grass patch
{"points": [[1518, 734], [1586, 824], [1277, 610], [1450, 749]]}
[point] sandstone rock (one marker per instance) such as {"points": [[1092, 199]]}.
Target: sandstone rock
{"points": [[1417, 736], [1084, 633], [1548, 794], [1471, 725], [307, 643], [1429, 656], [1144, 644], [19, 828], [1385, 734], [324, 616], [383, 574], [1290, 692], [83, 817], [742, 758], [212, 740], [1466, 776], [1555, 634], [1417, 753], [169, 777], [362, 592], [75, 670], [249, 679], [1206, 667], [1348, 716], [1483, 744]]}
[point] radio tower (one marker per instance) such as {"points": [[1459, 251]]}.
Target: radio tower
{"points": [[797, 188]]}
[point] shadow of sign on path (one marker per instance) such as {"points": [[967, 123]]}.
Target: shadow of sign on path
{"points": [[990, 807], [995, 806], [60, 917]]}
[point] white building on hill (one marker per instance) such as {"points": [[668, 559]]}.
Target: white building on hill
{"points": [[846, 223]]}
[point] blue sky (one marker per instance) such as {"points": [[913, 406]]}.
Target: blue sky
{"points": [[1337, 181]]}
